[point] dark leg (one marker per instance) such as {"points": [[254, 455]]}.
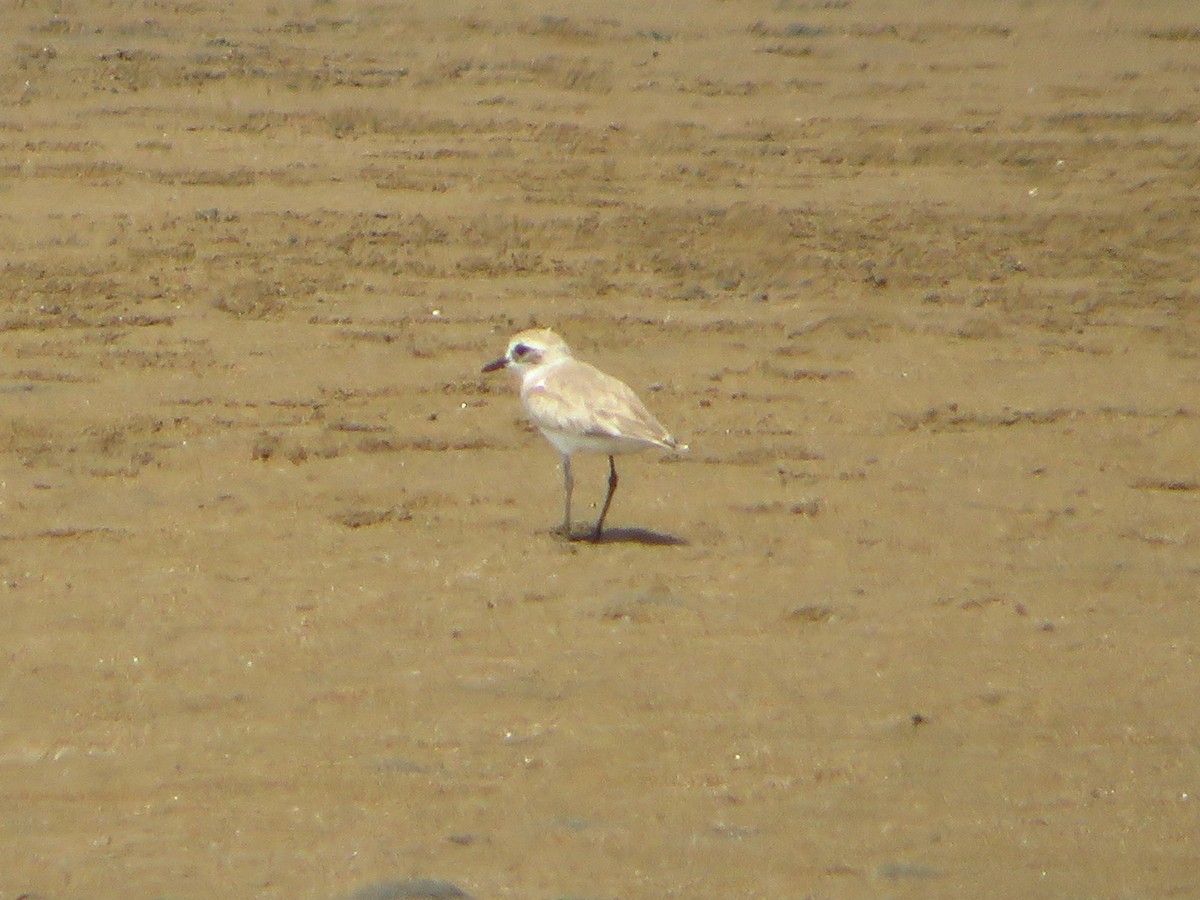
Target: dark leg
{"points": [[612, 489], [568, 487]]}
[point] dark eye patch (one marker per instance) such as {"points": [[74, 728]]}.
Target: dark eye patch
{"points": [[521, 350]]}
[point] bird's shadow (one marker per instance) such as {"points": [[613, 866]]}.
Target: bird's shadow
{"points": [[643, 536]]}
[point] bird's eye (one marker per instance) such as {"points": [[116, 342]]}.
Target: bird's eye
{"points": [[520, 350]]}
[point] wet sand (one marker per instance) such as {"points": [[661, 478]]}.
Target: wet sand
{"points": [[915, 617]]}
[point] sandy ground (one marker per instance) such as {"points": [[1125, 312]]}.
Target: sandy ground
{"points": [[917, 616]]}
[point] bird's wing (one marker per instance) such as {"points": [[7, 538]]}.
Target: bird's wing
{"points": [[580, 398]]}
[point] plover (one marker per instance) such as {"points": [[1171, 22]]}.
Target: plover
{"points": [[578, 407]]}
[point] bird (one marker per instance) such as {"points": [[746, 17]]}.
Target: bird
{"points": [[578, 407]]}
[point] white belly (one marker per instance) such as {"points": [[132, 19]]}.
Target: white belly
{"points": [[570, 442]]}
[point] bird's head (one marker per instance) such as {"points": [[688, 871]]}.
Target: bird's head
{"points": [[530, 349]]}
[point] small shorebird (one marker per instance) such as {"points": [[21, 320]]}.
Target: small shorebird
{"points": [[578, 407]]}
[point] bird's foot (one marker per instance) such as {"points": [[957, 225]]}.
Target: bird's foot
{"points": [[578, 534]]}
